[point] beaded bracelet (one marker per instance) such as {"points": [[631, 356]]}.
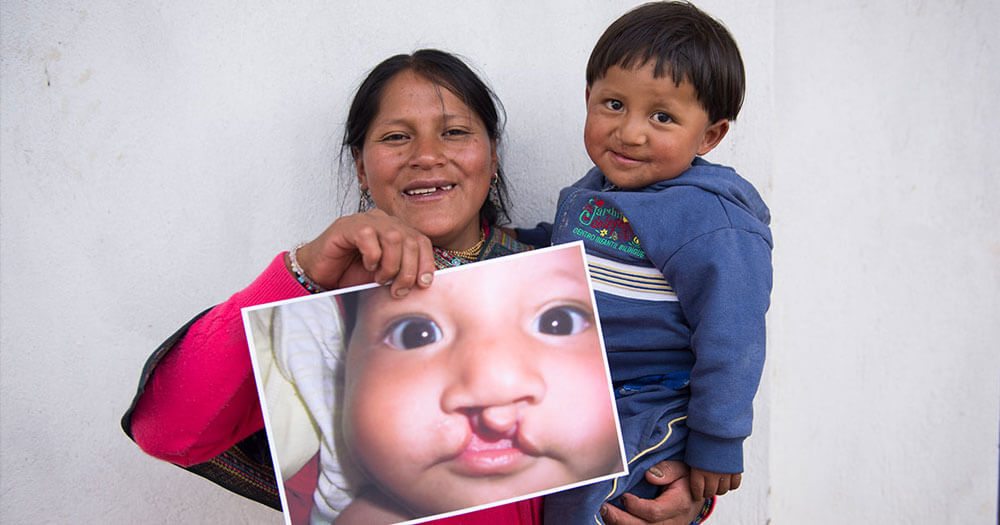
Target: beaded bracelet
{"points": [[300, 275], [706, 511]]}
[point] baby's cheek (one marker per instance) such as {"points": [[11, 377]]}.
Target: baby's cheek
{"points": [[451, 432], [602, 446], [590, 435]]}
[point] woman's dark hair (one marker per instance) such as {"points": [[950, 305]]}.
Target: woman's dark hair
{"points": [[451, 73], [683, 40]]}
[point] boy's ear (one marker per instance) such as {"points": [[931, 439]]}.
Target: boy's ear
{"points": [[586, 97], [713, 136]]}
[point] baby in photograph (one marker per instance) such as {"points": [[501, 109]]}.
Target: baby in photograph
{"points": [[491, 384]]}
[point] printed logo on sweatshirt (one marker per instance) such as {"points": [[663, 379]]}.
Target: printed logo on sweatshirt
{"points": [[605, 225]]}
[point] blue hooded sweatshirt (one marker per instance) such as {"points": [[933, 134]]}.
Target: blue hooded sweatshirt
{"points": [[682, 276]]}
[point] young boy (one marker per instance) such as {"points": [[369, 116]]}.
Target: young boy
{"points": [[678, 248]]}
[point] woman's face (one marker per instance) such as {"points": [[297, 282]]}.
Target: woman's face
{"points": [[428, 160], [489, 385]]}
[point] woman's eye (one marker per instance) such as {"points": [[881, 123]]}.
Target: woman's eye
{"points": [[563, 320], [456, 132], [614, 105], [662, 118], [413, 332], [393, 137]]}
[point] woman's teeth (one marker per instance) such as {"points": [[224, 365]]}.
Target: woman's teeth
{"points": [[426, 191]]}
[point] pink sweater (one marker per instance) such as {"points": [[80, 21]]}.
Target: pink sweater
{"points": [[202, 399]]}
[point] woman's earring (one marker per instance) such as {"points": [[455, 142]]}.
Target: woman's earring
{"points": [[494, 195], [366, 203]]}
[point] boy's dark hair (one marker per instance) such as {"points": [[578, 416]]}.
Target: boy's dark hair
{"points": [[684, 41]]}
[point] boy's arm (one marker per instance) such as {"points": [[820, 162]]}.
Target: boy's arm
{"points": [[540, 236], [723, 282]]}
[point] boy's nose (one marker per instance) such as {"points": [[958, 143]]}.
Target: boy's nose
{"points": [[632, 131]]}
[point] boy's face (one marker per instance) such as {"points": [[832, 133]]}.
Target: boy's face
{"points": [[490, 384], [641, 129]]}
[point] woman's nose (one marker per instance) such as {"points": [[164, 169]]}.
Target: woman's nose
{"points": [[427, 152], [494, 378]]}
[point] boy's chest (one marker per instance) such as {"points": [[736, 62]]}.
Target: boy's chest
{"points": [[605, 229], [618, 263]]}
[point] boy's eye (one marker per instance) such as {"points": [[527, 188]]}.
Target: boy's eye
{"points": [[413, 332], [563, 320], [614, 105], [662, 118]]}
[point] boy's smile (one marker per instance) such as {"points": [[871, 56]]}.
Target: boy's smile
{"points": [[641, 129]]}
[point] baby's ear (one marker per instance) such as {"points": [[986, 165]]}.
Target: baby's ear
{"points": [[713, 136]]}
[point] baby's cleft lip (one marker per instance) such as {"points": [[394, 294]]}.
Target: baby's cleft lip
{"points": [[488, 457]]}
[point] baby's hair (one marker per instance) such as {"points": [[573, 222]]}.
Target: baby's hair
{"points": [[349, 304], [685, 42]]}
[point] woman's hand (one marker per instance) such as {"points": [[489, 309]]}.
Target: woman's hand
{"points": [[366, 247], [673, 506]]}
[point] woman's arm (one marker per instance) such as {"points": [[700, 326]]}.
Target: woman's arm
{"points": [[201, 399]]}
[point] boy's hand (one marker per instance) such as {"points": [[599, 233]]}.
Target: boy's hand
{"points": [[705, 484]]}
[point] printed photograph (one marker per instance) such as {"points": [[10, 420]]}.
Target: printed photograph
{"points": [[490, 386]]}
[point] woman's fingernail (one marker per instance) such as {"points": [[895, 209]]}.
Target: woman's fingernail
{"points": [[656, 472], [427, 278], [402, 292], [604, 510]]}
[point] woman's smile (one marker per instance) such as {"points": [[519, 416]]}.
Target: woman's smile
{"points": [[428, 190]]}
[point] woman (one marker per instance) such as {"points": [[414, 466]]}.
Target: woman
{"points": [[423, 132]]}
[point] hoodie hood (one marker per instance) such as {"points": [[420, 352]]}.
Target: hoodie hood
{"points": [[705, 198], [720, 180]]}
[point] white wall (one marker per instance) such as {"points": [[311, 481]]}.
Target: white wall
{"points": [[885, 323], [154, 157]]}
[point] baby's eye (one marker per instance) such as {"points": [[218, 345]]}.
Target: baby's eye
{"points": [[662, 118], [563, 320], [614, 105], [413, 332]]}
